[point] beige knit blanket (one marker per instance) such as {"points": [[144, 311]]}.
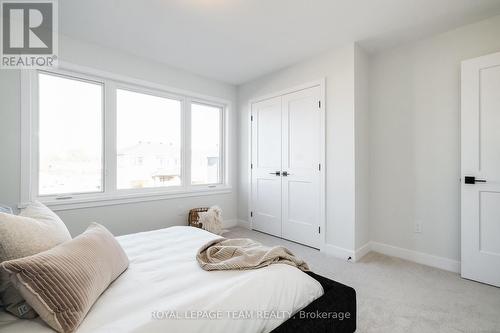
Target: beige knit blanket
{"points": [[243, 253]]}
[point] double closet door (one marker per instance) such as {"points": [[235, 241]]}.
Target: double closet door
{"points": [[287, 145]]}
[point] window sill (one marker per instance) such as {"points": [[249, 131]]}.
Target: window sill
{"points": [[100, 200]]}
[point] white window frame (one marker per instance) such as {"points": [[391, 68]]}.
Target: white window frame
{"points": [[157, 93], [110, 194], [35, 124]]}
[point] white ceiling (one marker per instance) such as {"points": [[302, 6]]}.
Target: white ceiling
{"points": [[237, 40]]}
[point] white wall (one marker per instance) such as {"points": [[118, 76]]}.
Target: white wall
{"points": [[409, 170], [338, 68], [121, 219], [362, 152], [415, 142]]}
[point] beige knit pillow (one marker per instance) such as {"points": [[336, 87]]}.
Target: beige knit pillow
{"points": [[35, 230], [63, 283]]}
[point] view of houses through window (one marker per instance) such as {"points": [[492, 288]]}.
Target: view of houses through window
{"points": [[148, 140]]}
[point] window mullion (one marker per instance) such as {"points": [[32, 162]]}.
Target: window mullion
{"points": [[110, 120]]}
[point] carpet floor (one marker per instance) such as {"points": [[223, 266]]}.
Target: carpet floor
{"points": [[395, 295]]}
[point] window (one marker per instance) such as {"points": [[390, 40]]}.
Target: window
{"points": [[148, 140], [105, 140], [205, 144], [70, 135]]}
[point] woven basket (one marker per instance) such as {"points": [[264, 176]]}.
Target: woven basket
{"points": [[193, 217]]}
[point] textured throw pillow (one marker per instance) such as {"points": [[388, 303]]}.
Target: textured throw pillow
{"points": [[63, 283], [35, 230], [211, 220]]}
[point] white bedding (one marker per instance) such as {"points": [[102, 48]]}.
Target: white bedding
{"points": [[164, 280]]}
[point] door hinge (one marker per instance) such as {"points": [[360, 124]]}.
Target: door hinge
{"points": [[251, 214], [319, 104], [319, 167], [319, 230], [251, 118], [251, 165]]}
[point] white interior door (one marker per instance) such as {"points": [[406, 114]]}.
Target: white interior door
{"points": [[481, 159], [301, 157], [266, 166], [287, 176]]}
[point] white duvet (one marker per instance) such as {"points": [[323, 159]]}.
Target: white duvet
{"points": [[164, 290]]}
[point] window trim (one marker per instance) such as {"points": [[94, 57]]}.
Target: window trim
{"points": [[110, 195]]}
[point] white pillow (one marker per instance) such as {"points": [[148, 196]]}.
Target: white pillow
{"points": [[34, 230]]}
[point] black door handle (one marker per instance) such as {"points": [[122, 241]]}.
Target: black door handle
{"points": [[285, 173], [473, 180], [276, 173]]}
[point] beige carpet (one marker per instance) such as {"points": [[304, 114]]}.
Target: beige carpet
{"points": [[395, 295]]}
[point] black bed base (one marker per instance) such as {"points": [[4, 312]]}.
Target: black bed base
{"points": [[335, 311]]}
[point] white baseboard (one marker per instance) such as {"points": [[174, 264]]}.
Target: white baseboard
{"points": [[346, 254], [393, 251], [230, 223], [418, 257], [244, 224], [362, 251], [389, 250], [338, 252]]}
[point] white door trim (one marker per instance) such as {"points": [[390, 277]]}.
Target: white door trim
{"points": [[322, 84]]}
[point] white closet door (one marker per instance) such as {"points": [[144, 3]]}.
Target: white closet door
{"points": [[266, 166], [301, 138], [481, 169]]}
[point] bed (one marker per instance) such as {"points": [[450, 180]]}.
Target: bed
{"points": [[165, 290]]}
